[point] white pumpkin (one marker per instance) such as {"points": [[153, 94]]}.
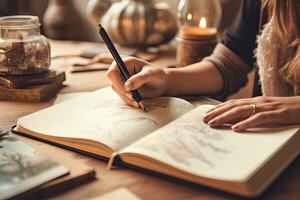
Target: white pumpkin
{"points": [[139, 23]]}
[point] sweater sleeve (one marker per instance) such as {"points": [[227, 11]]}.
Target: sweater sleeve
{"points": [[234, 56]]}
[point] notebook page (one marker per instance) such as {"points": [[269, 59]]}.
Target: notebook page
{"points": [[192, 146], [103, 117]]}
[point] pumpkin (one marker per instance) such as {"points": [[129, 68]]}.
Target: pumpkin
{"points": [[139, 23]]}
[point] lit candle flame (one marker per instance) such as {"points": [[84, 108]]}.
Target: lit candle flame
{"points": [[189, 16], [202, 23]]}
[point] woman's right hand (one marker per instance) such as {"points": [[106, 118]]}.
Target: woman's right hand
{"points": [[148, 79]]}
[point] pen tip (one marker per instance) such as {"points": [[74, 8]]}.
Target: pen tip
{"points": [[142, 106], [100, 26]]}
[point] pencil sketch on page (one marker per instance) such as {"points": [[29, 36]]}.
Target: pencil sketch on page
{"points": [[190, 145], [185, 140], [117, 124]]}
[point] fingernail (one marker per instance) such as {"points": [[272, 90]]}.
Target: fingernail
{"points": [[206, 118], [210, 110], [135, 104], [128, 86], [211, 123], [235, 127], [129, 95]]}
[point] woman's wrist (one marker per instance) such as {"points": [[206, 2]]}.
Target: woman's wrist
{"points": [[168, 89]]}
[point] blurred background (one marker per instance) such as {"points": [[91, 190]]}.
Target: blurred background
{"points": [[84, 25]]}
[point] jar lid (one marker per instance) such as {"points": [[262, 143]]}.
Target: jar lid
{"points": [[19, 22]]}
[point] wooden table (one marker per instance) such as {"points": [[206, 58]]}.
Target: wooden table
{"points": [[287, 186]]}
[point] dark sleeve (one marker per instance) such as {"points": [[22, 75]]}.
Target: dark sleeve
{"points": [[234, 57], [241, 36]]}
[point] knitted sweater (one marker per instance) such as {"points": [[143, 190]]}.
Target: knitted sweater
{"points": [[271, 56]]}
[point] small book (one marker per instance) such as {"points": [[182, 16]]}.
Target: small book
{"points": [[23, 168], [35, 92], [170, 139], [23, 81]]}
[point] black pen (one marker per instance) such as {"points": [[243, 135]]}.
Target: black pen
{"points": [[124, 72]]}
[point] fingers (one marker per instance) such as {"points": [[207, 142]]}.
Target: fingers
{"points": [[234, 115], [223, 108], [260, 119], [135, 67], [113, 74], [138, 80], [141, 72], [234, 102], [126, 97], [265, 114], [237, 111]]}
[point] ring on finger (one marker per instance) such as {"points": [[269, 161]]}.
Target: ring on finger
{"points": [[253, 106]]}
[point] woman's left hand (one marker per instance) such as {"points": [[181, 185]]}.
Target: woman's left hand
{"points": [[255, 112]]}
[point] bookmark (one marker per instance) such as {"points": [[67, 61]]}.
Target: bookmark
{"points": [[111, 160]]}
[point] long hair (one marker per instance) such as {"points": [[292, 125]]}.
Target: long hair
{"points": [[286, 14]]}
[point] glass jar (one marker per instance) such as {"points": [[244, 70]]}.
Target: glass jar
{"points": [[198, 30], [23, 50], [199, 13]]}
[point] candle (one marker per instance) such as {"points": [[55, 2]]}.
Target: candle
{"points": [[195, 42], [201, 32]]}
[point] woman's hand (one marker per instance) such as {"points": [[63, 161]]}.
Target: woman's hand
{"points": [[255, 112], [148, 79]]}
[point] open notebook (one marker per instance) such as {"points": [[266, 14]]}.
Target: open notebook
{"points": [[171, 139]]}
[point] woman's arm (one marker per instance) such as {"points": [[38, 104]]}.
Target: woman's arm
{"points": [[151, 81], [199, 78], [221, 74]]}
